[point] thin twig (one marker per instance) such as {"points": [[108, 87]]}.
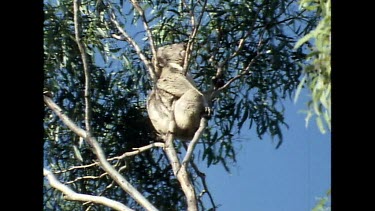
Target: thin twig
{"points": [[204, 183], [150, 38], [138, 150], [136, 47], [126, 154], [246, 70], [219, 71], [76, 167], [145, 24], [189, 47], [86, 177]]}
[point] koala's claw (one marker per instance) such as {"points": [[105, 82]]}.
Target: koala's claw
{"points": [[208, 112]]}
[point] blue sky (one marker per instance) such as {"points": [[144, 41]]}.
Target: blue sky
{"points": [[290, 178]]}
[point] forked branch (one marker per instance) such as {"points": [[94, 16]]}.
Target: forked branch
{"points": [[181, 173], [115, 175], [69, 194], [196, 25]]}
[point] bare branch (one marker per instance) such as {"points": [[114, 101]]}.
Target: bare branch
{"points": [[181, 173], [138, 150], [126, 154], [197, 135], [241, 43], [147, 28], [246, 70], [189, 47], [120, 180], [71, 195], [86, 177], [150, 38], [115, 175], [76, 4], [76, 167], [64, 118], [204, 183], [125, 36]]}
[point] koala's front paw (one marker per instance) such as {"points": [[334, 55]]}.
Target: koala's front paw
{"points": [[208, 112]]}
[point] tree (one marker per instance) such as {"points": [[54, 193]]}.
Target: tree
{"points": [[317, 71], [100, 149]]}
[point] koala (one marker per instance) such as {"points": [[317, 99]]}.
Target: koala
{"points": [[173, 86]]}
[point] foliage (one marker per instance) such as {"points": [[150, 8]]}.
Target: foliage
{"points": [[324, 203], [250, 46], [317, 73]]}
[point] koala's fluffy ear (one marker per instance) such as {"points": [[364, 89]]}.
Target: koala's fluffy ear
{"points": [[162, 62], [160, 58]]}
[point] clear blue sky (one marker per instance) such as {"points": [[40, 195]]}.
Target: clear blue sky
{"points": [[290, 178]]}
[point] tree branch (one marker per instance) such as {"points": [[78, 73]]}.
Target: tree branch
{"points": [[204, 183], [115, 175], [189, 47], [86, 177], [182, 171], [219, 71], [181, 174], [76, 4], [147, 28], [197, 135], [244, 71], [126, 37], [71, 195], [138, 150], [126, 154], [64, 118]]}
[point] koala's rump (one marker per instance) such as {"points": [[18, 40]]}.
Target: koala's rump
{"points": [[188, 110]]}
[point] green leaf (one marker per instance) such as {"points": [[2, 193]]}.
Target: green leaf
{"points": [[244, 115], [304, 39], [77, 153], [299, 88], [320, 124]]}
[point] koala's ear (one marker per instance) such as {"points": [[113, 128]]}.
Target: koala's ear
{"points": [[160, 57], [182, 53], [184, 44], [161, 61]]}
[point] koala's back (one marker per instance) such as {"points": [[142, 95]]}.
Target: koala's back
{"points": [[174, 86], [174, 82]]}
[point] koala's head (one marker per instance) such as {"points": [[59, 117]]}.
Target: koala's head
{"points": [[174, 53]]}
